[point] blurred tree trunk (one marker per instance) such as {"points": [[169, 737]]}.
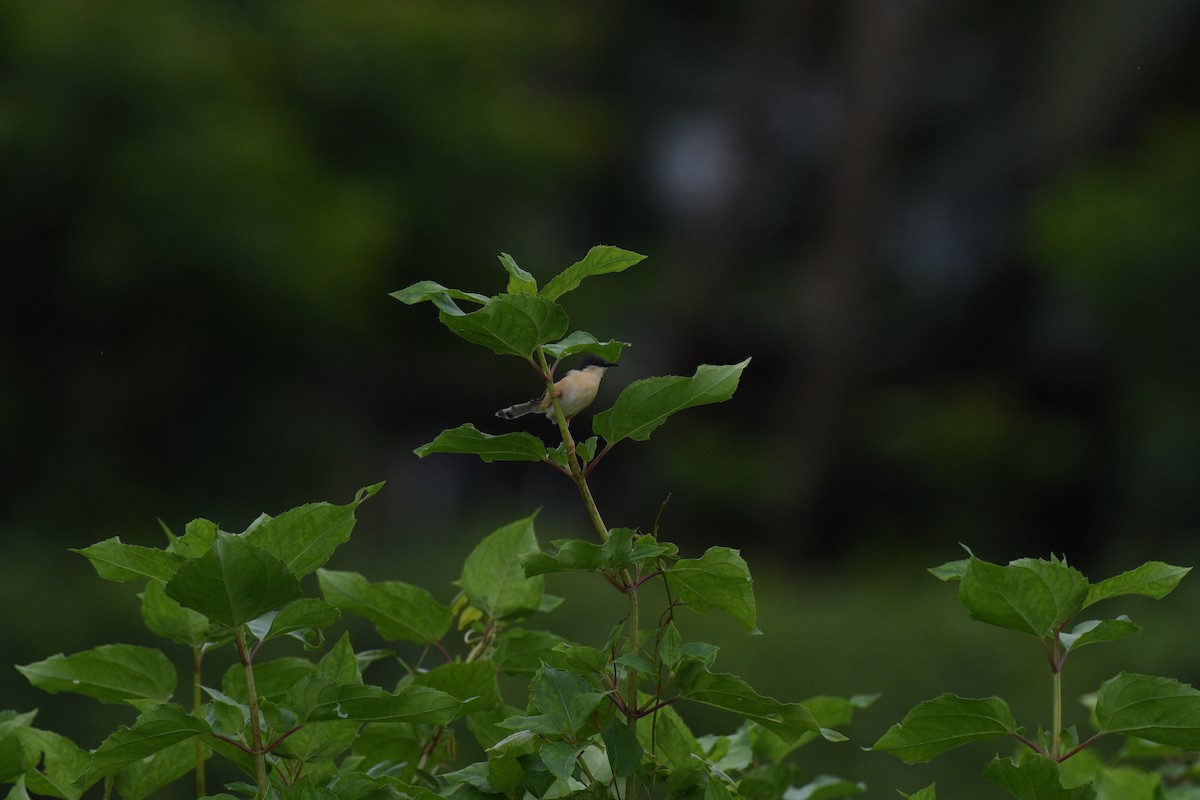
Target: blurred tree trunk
{"points": [[824, 288], [832, 293], [716, 240]]}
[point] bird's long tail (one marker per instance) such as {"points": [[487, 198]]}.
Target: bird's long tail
{"points": [[519, 410]]}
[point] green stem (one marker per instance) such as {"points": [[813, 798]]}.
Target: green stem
{"points": [[256, 738], [631, 588], [197, 709], [1056, 702], [632, 687], [577, 475]]}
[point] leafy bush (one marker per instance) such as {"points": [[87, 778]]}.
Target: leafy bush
{"points": [[1041, 598], [596, 718]]}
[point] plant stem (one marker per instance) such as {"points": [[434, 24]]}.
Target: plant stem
{"points": [[1056, 702], [1056, 733], [1079, 747], [197, 697], [632, 690], [1027, 743], [577, 475], [256, 739], [580, 479]]}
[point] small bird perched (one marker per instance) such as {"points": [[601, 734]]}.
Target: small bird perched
{"points": [[575, 391]]}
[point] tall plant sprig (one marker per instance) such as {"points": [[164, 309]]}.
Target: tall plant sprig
{"points": [[1042, 598], [598, 719], [641, 673]]}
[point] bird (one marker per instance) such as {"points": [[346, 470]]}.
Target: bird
{"points": [[575, 391]]}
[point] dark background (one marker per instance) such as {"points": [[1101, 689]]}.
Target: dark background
{"points": [[959, 241]]}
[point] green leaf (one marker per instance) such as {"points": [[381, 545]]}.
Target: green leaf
{"points": [[578, 658], [829, 712], [666, 734], [169, 619], [303, 614], [701, 653], [511, 324], [731, 753], [628, 548], [366, 703], [155, 729], [365, 786], [505, 773], [717, 787], [788, 721], [559, 758], [637, 662], [834, 712], [437, 294], [944, 723], [565, 697], [323, 742], [225, 715], [144, 777], [564, 555], [1034, 778], [768, 781], [473, 683], [386, 743], [198, 537], [718, 579], [623, 748], [399, 610], [600, 260], [468, 439], [1094, 631], [519, 281], [63, 762], [485, 727], [1032, 596], [1134, 783], [623, 548], [110, 673], [473, 776], [18, 791], [493, 578], [825, 787], [272, 679], [670, 646], [646, 404], [305, 537], [521, 651], [16, 755], [584, 450], [951, 570], [234, 582], [928, 793], [1161, 710], [340, 663], [1152, 579], [119, 562], [583, 342]]}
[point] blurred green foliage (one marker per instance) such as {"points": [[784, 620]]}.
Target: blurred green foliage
{"points": [[1120, 235]]}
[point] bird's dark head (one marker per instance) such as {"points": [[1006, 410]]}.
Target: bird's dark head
{"points": [[594, 361]]}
